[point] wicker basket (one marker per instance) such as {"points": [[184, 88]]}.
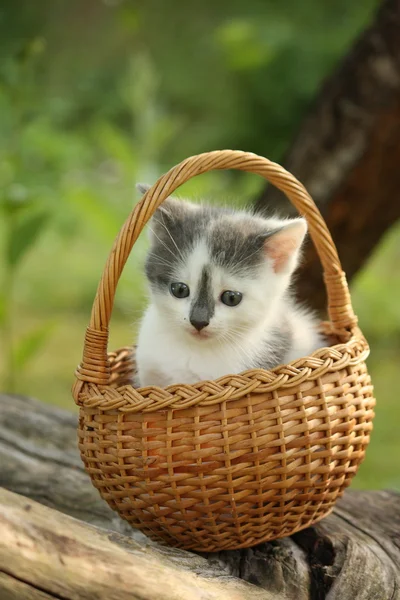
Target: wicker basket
{"points": [[241, 460]]}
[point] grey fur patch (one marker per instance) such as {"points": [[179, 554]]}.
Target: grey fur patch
{"points": [[175, 231], [235, 244], [203, 307], [236, 247]]}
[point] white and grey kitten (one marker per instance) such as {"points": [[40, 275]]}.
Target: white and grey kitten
{"points": [[219, 295]]}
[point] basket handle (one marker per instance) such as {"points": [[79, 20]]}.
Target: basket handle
{"points": [[94, 367]]}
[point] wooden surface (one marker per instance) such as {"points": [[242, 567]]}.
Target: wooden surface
{"points": [[354, 553], [62, 557], [347, 151]]}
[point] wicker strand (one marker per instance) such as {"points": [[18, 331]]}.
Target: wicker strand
{"points": [[94, 367]]}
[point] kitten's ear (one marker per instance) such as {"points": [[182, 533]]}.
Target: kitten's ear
{"points": [[143, 187], [283, 246], [168, 214], [169, 208], [170, 211]]}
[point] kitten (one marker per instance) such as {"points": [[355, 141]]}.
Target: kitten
{"points": [[219, 295]]}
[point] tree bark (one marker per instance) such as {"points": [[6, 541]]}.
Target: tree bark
{"points": [[353, 553], [347, 151]]}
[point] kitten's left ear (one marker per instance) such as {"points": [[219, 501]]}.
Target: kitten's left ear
{"points": [[283, 246], [169, 213], [171, 207], [143, 187]]}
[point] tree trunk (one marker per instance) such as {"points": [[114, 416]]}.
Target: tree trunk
{"points": [[353, 553], [347, 152]]}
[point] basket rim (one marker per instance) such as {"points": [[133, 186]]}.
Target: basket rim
{"points": [[127, 398]]}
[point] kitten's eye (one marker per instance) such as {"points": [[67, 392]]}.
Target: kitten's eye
{"points": [[179, 290], [231, 298]]}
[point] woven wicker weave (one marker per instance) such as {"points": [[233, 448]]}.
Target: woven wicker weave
{"points": [[234, 462]]}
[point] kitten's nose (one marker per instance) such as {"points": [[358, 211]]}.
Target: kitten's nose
{"points": [[199, 325]]}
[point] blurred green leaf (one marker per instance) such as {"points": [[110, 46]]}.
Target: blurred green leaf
{"points": [[129, 18], [242, 45], [31, 343], [116, 144], [31, 49], [24, 235], [94, 213]]}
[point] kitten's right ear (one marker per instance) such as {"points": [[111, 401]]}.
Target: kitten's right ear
{"points": [[283, 246]]}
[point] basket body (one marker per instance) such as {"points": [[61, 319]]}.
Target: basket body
{"points": [[229, 464]]}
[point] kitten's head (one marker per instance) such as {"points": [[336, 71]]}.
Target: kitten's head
{"points": [[218, 273]]}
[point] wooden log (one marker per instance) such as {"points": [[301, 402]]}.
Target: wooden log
{"points": [[62, 557], [347, 151], [13, 589], [39, 458], [354, 553]]}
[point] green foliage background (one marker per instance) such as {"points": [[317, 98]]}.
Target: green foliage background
{"points": [[95, 96]]}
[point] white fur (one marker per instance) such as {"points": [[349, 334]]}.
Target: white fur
{"points": [[167, 350]]}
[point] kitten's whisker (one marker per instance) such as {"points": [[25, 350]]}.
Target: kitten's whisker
{"points": [[161, 258], [162, 243], [237, 346], [162, 263], [172, 239], [246, 258], [241, 328]]}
